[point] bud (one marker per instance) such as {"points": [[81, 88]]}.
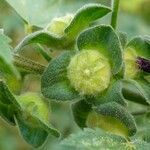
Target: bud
{"points": [[131, 67], [107, 123], [58, 25], [113, 118], [89, 72], [143, 64], [135, 64], [34, 105]]}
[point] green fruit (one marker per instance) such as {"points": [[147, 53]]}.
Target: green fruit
{"points": [[89, 72]]}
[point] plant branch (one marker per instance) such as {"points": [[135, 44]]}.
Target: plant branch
{"points": [[137, 113], [41, 50], [115, 6], [27, 64]]}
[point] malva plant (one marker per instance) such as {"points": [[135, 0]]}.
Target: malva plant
{"points": [[98, 71]]}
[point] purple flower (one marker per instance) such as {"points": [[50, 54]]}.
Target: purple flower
{"points": [[144, 64]]}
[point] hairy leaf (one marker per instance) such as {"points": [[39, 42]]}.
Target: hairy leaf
{"points": [[113, 118], [42, 37], [6, 65], [54, 81], [84, 16], [31, 131], [40, 13], [99, 140], [80, 110], [81, 20], [104, 39], [136, 91], [123, 39], [8, 104], [143, 123], [141, 45], [113, 94], [33, 106], [6, 112], [31, 112]]}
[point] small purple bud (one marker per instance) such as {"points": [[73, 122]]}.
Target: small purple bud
{"points": [[144, 64]]}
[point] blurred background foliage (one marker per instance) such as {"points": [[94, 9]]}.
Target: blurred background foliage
{"points": [[134, 19]]}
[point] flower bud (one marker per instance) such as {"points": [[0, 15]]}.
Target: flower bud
{"points": [[89, 72], [131, 67], [107, 123], [35, 106], [58, 25], [134, 63], [113, 118], [144, 64]]}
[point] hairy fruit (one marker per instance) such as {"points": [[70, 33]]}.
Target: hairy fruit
{"points": [[89, 72]]}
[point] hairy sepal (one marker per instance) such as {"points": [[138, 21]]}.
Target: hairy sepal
{"points": [[104, 39], [80, 111], [113, 118], [141, 46], [81, 20], [25, 115], [136, 91], [113, 94], [54, 82]]}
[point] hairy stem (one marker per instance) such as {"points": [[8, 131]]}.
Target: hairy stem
{"points": [[41, 50], [115, 5], [137, 113], [27, 64]]}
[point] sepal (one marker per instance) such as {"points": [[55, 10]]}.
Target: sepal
{"points": [[104, 39], [113, 118]]}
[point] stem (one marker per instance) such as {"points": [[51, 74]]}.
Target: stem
{"points": [[114, 16], [41, 50], [28, 65], [137, 113], [28, 29]]}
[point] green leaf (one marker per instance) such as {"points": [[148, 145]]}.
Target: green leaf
{"points": [[104, 39], [83, 17], [31, 131], [113, 118], [6, 97], [33, 119], [31, 112], [99, 140], [34, 106], [8, 103], [40, 13], [80, 111], [42, 37], [141, 45], [136, 91], [54, 82], [146, 88], [147, 78], [147, 39], [113, 94], [123, 39], [143, 122], [6, 112], [6, 65]]}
